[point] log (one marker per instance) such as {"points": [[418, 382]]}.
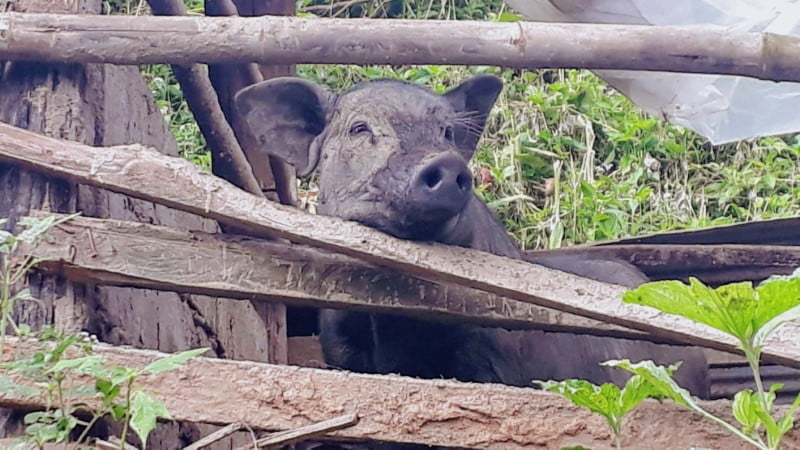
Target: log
{"points": [[121, 253], [142, 172], [399, 409], [289, 40]]}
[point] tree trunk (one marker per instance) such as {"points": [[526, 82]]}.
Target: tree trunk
{"points": [[104, 105]]}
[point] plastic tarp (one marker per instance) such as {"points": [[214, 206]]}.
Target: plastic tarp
{"points": [[721, 108]]}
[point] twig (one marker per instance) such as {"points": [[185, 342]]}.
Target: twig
{"points": [[215, 436], [303, 433], [225, 86], [203, 102]]}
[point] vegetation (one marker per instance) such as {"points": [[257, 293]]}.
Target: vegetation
{"points": [[749, 315], [63, 371]]}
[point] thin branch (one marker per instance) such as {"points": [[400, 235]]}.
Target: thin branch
{"points": [[277, 440], [294, 40], [203, 102], [215, 436]]}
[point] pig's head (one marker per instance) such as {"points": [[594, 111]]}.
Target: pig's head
{"points": [[390, 155]]}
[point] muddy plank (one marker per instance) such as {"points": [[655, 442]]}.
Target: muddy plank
{"points": [[142, 172], [400, 409]]}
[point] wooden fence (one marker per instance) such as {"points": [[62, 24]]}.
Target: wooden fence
{"points": [[306, 260]]}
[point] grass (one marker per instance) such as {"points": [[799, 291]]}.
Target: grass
{"points": [[619, 172]]}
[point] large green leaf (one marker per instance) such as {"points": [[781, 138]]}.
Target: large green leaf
{"points": [[694, 301], [749, 314], [145, 411], [172, 362]]}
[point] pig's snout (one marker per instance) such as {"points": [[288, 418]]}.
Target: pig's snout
{"points": [[442, 184]]}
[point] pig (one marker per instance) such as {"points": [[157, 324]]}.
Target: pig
{"points": [[394, 156]]}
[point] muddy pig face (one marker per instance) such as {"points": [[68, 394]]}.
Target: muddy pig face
{"points": [[390, 155]]}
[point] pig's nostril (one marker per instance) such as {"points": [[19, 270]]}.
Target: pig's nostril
{"points": [[464, 181], [432, 177]]}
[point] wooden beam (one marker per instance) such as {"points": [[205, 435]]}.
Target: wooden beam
{"points": [[287, 40], [142, 172], [398, 409], [783, 231], [712, 263], [110, 252]]}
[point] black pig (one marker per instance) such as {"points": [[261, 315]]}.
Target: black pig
{"points": [[393, 156]]}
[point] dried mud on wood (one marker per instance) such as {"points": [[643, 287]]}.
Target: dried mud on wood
{"points": [[134, 254], [400, 409], [144, 173]]}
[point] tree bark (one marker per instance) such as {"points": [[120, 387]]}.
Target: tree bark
{"points": [[144, 173], [290, 40], [109, 105]]}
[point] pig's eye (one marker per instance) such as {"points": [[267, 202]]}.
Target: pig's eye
{"points": [[448, 133], [359, 128]]}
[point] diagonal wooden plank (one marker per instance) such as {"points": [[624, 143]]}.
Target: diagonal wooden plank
{"points": [[400, 409], [141, 172], [112, 252]]}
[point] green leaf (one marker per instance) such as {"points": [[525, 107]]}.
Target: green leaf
{"points": [[145, 410], [750, 315], [508, 17], [87, 365], [118, 411], [786, 423], [659, 378], [7, 385], [34, 227], [598, 399], [636, 390], [745, 405], [172, 362], [122, 375], [778, 303]]}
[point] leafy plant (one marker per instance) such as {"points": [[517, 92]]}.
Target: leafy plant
{"points": [[14, 267], [70, 387], [750, 315], [608, 400], [67, 384]]}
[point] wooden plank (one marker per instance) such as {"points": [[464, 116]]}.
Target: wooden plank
{"points": [[712, 263], [121, 253], [783, 231], [400, 409], [287, 40], [142, 172]]}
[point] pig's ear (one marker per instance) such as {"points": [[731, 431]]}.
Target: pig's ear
{"points": [[286, 115], [472, 101]]}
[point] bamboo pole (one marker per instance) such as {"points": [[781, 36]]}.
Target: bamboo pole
{"points": [[279, 40]]}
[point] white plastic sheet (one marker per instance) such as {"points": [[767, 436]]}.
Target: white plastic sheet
{"points": [[721, 108]]}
